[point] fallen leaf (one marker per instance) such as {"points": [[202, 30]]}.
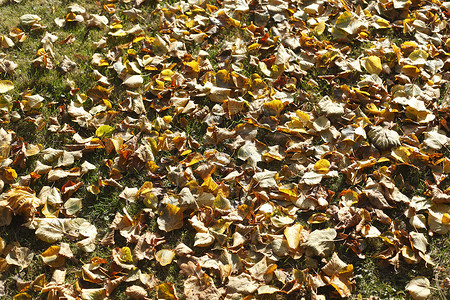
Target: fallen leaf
{"points": [[321, 242], [5, 86], [419, 288], [373, 65], [164, 256], [20, 256], [171, 218]]}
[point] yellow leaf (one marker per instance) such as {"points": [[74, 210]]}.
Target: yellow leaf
{"points": [[166, 291], [209, 184], [194, 66], [5, 86], [411, 71], [446, 219], [373, 65], [382, 23], [52, 257], [10, 174], [70, 17], [189, 24], [186, 152], [125, 254], [103, 130], [418, 55], [152, 166], [223, 79], [322, 166], [319, 28], [253, 46], [22, 296], [273, 108], [145, 189], [158, 85], [167, 72], [408, 46], [318, 218]]}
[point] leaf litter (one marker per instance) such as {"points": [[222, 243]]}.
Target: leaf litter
{"points": [[237, 138]]}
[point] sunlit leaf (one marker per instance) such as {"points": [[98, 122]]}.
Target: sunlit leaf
{"points": [[134, 81], [373, 65], [93, 294], [20, 256], [5, 86], [164, 256], [419, 288], [171, 218], [29, 19], [104, 130], [293, 235], [166, 291], [321, 242], [384, 138]]}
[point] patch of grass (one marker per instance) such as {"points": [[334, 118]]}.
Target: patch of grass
{"points": [[100, 209], [358, 48], [414, 180], [312, 89], [440, 252], [335, 184], [375, 277], [18, 235], [371, 280]]}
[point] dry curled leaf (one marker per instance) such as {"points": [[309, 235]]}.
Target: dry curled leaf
{"points": [[383, 138]]}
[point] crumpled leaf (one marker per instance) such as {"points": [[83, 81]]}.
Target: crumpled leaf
{"points": [[93, 294], [29, 19], [201, 287], [22, 201], [331, 108], [384, 138], [242, 284], [20, 256]]}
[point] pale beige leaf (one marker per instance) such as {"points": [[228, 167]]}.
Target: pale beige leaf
{"points": [[133, 81], [419, 288], [20, 256], [136, 292], [384, 138], [321, 242]]}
